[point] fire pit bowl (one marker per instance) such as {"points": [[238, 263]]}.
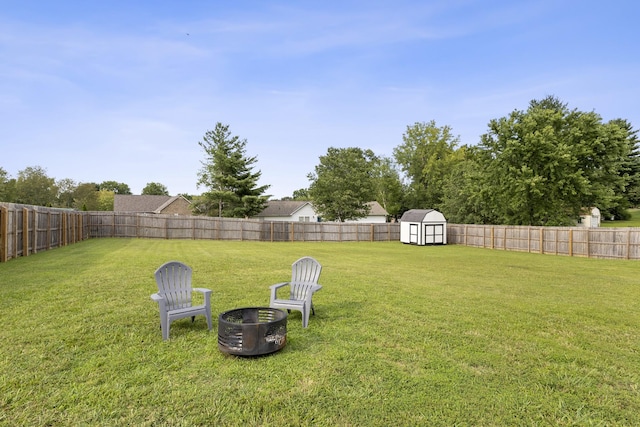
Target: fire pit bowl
{"points": [[252, 331]]}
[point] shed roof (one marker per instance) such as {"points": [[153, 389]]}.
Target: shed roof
{"points": [[420, 215]]}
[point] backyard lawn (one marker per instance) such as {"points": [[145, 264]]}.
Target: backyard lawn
{"points": [[402, 336], [633, 221]]}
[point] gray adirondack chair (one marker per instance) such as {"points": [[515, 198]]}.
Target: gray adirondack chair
{"points": [[305, 273], [174, 296]]}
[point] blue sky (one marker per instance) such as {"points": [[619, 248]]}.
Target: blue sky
{"points": [[123, 90]]}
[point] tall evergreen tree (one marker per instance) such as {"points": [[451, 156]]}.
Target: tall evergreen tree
{"points": [[228, 174]]}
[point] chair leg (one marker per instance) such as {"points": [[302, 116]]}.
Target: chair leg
{"points": [[165, 329], [305, 317], [208, 316]]}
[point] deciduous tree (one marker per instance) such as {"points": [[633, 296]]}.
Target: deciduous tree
{"points": [[546, 163], [426, 157], [343, 183], [155, 189], [116, 187], [35, 187], [7, 187]]}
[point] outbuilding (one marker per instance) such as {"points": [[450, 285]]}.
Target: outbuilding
{"points": [[423, 227]]}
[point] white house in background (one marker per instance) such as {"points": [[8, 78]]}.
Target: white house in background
{"points": [[302, 211], [288, 210], [589, 218], [376, 214]]}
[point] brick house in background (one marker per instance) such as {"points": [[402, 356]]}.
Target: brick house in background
{"points": [[171, 205]]}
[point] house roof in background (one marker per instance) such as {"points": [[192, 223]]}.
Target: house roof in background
{"points": [[142, 203], [284, 208], [377, 209]]}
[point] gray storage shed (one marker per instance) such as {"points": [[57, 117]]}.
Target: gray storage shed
{"points": [[423, 227]]}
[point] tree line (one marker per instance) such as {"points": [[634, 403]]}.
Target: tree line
{"points": [[539, 166], [33, 186]]}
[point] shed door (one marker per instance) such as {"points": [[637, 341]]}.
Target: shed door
{"points": [[413, 233], [433, 233]]}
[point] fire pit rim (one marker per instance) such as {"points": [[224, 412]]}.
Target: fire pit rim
{"points": [[251, 335]]}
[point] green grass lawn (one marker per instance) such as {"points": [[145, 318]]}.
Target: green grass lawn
{"points": [[402, 336], [634, 221]]}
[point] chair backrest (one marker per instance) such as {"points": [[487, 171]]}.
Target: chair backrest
{"points": [[174, 284], [305, 273]]}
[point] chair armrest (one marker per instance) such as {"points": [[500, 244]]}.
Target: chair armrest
{"points": [[274, 289], [162, 304], [316, 288], [206, 292]]}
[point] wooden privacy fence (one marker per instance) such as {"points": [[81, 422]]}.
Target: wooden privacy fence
{"points": [[28, 229], [615, 243], [115, 224]]}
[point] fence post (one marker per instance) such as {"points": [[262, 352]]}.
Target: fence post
{"points": [[571, 242], [541, 240], [35, 232], [25, 232], [504, 238], [4, 233], [466, 230], [628, 243], [493, 234]]}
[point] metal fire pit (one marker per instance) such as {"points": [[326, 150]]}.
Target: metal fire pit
{"points": [[252, 331]]}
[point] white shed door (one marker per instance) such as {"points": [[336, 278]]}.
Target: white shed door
{"points": [[413, 233], [433, 233]]}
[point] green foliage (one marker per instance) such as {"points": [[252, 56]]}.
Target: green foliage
{"points": [[629, 218], [66, 191], [630, 170], [388, 188], [227, 172], [35, 187], [301, 194], [105, 200], [343, 183], [427, 157], [7, 186], [85, 197], [402, 336], [541, 166], [116, 187], [466, 200], [155, 189]]}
